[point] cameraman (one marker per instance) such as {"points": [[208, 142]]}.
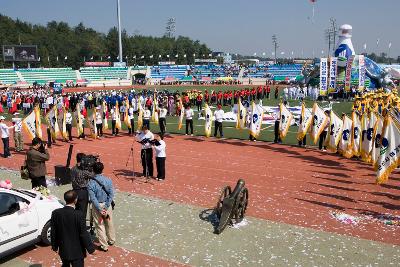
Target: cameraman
{"points": [[146, 154], [80, 179], [35, 161]]}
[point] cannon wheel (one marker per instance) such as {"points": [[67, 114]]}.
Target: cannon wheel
{"points": [[225, 192], [242, 205]]}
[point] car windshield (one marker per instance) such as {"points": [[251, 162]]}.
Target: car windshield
{"points": [[25, 192]]}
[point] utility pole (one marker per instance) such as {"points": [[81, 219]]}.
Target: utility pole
{"points": [[275, 44], [330, 34], [119, 31], [170, 28]]}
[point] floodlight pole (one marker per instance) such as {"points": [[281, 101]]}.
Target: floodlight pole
{"points": [[119, 31]]}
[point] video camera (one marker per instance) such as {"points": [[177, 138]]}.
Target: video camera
{"points": [[88, 161], [147, 141]]}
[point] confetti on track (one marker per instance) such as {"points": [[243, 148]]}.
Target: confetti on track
{"points": [[286, 184]]}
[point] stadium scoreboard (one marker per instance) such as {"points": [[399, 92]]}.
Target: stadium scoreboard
{"points": [[27, 53]]}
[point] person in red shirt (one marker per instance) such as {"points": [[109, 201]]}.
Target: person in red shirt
{"points": [[219, 98], [268, 91], [260, 93], [206, 96], [230, 96], [199, 101], [225, 100], [253, 93], [213, 97]]}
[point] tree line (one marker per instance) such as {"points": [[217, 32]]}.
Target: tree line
{"points": [[73, 45]]}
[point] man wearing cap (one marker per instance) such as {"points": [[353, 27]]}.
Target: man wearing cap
{"points": [[18, 139], [5, 137], [219, 115]]}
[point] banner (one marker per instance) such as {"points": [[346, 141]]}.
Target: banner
{"points": [[64, 125], [332, 75], [335, 131], [140, 116], [356, 137], [78, 119], [154, 115], [241, 116], [127, 121], [208, 124], [91, 119], [182, 112], [285, 120], [257, 112], [117, 117], [105, 120], [389, 153], [319, 122], [367, 137], [361, 73], [345, 142], [305, 122], [377, 140], [97, 64], [347, 82], [29, 125], [323, 77], [52, 121], [38, 122]]}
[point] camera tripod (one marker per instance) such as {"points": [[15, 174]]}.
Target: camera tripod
{"points": [[133, 163]]}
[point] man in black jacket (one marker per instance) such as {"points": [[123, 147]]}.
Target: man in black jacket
{"points": [[68, 233]]}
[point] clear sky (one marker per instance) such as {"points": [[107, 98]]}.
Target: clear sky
{"points": [[235, 26]]}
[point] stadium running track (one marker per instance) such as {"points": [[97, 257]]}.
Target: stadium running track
{"points": [[286, 184]]}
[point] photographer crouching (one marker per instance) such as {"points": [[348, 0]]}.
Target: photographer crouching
{"points": [[80, 176], [36, 159]]}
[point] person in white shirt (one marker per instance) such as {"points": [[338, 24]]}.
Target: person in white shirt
{"points": [[131, 120], [18, 138], [219, 115], [146, 154], [189, 119], [68, 124], [159, 147], [146, 117], [114, 129], [99, 122], [162, 113], [5, 137]]}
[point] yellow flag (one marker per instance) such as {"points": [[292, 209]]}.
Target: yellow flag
{"points": [[117, 117], [181, 115], [335, 131], [154, 115], [356, 136], [64, 125], [319, 122], [105, 121], [345, 147], [127, 121], [29, 125], [285, 121], [241, 116], [140, 115], [38, 122], [305, 122]]}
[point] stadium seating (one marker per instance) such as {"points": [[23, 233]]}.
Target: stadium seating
{"points": [[45, 75], [163, 71], [214, 71], [8, 76], [256, 71], [283, 71], [103, 73]]}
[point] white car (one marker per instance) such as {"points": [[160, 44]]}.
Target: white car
{"points": [[24, 219]]}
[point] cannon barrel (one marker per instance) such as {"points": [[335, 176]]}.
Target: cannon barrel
{"points": [[228, 207]]}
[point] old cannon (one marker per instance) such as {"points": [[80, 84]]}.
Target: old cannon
{"points": [[231, 205]]}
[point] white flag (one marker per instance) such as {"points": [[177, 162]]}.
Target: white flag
{"points": [[134, 57], [389, 153], [142, 57], [210, 55], [285, 121], [390, 45], [319, 122], [377, 140], [151, 56], [367, 137], [176, 55], [194, 55], [65, 58], [365, 46], [345, 142], [184, 55], [39, 59], [335, 131], [356, 137], [167, 56], [29, 125], [91, 58], [109, 57], [377, 41], [305, 122], [57, 58], [208, 119], [257, 112], [159, 56], [241, 116]]}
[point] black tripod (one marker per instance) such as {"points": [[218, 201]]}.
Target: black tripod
{"points": [[133, 160]]}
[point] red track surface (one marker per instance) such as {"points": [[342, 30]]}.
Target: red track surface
{"points": [[286, 184]]}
